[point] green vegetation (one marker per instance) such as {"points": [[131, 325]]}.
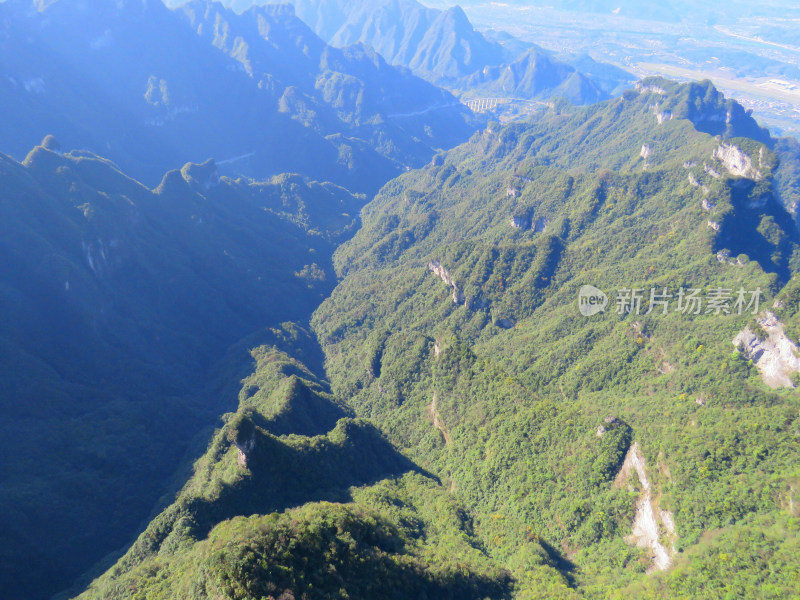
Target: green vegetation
{"points": [[473, 434], [520, 381], [118, 305], [399, 538]]}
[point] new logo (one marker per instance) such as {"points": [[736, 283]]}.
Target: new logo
{"points": [[591, 300]]}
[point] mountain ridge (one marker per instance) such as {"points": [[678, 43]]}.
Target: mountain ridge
{"points": [[443, 47], [454, 335], [276, 83], [117, 302]]}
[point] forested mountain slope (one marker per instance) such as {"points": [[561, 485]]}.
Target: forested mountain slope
{"points": [[125, 291], [118, 304], [457, 331], [293, 448], [482, 436]]}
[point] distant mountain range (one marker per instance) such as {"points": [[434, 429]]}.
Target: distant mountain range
{"points": [[664, 11], [536, 74], [444, 47], [147, 86], [441, 44]]}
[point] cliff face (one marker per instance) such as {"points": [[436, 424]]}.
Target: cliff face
{"points": [[653, 528], [776, 356], [702, 104], [437, 269]]}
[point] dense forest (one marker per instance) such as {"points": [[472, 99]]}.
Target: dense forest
{"points": [[471, 433]]}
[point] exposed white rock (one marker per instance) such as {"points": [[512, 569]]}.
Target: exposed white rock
{"points": [[693, 181], [612, 422], [646, 151], [776, 357], [736, 162], [711, 172], [664, 116], [648, 519], [436, 267], [541, 224], [714, 225], [650, 89], [668, 521]]}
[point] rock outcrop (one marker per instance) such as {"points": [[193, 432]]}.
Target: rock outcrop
{"points": [[245, 448], [649, 520], [777, 357], [436, 267], [736, 162]]}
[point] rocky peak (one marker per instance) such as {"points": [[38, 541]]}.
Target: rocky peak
{"points": [[701, 103], [204, 176], [736, 161]]}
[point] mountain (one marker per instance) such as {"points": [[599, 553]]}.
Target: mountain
{"points": [[278, 507], [646, 10], [150, 88], [536, 74], [121, 306], [476, 431], [442, 46], [655, 454], [451, 48], [610, 78], [434, 43]]}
